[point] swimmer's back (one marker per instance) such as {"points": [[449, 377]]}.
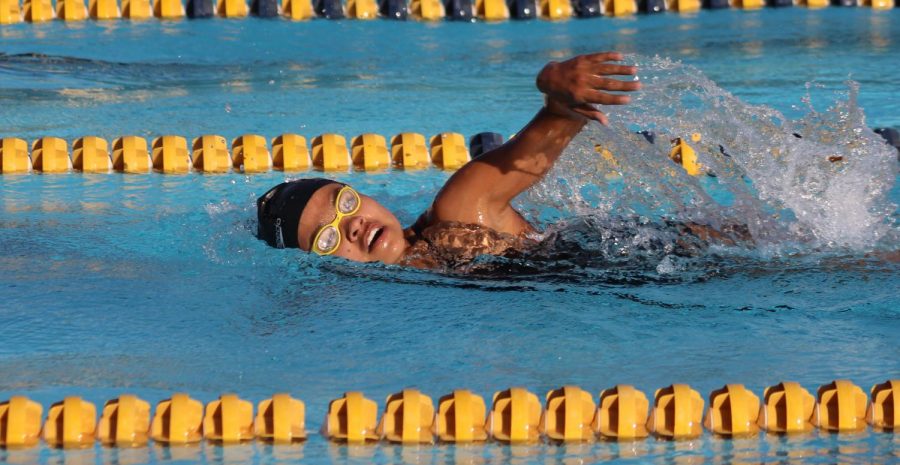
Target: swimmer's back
{"points": [[451, 244]]}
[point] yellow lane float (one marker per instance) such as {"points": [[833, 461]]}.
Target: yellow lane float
{"points": [[71, 424], [370, 153], [677, 413], [515, 417], [298, 10], [883, 412], [733, 411], [840, 407], [168, 9], [91, 155], [10, 13], [38, 11], [232, 8], [352, 419], [362, 9], [408, 418], [748, 4], [50, 155], [622, 414], [209, 154], [684, 154], [329, 153], [20, 423], [556, 9], [250, 154], [104, 9], [608, 163], [449, 151], [787, 408], [408, 151], [228, 420], [71, 10], [427, 10], [14, 156], [619, 7], [879, 4], [492, 10], [460, 418], [289, 153], [130, 155], [281, 420], [178, 421], [568, 415], [683, 6], [170, 155], [125, 422], [137, 9]]}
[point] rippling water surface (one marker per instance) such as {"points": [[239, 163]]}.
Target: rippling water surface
{"points": [[153, 284]]}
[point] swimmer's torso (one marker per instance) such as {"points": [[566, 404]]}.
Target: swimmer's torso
{"points": [[449, 244]]}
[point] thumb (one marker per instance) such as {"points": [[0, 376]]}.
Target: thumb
{"points": [[589, 112]]}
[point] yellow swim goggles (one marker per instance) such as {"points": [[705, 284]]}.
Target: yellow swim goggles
{"points": [[328, 237]]}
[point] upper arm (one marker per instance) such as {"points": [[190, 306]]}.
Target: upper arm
{"points": [[481, 191]]}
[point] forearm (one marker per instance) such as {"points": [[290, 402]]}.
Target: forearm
{"points": [[532, 152]]}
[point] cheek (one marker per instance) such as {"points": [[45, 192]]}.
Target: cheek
{"points": [[347, 251]]}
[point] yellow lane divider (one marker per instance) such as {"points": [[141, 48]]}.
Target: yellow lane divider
{"points": [[137, 9], [249, 153], [569, 414]]}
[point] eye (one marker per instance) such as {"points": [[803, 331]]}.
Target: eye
{"points": [[347, 202], [328, 239]]}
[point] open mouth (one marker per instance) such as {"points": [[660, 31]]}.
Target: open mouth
{"points": [[374, 235]]}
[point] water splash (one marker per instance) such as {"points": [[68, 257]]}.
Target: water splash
{"points": [[818, 182]]}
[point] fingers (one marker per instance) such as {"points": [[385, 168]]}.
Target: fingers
{"points": [[604, 56], [601, 65], [614, 85], [610, 70], [603, 98]]}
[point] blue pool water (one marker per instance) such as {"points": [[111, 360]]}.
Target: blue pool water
{"points": [[152, 284]]}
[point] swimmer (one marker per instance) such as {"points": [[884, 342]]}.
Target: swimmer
{"points": [[471, 214]]}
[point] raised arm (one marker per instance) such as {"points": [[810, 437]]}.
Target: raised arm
{"points": [[481, 191]]}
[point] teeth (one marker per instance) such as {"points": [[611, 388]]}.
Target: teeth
{"points": [[372, 236]]}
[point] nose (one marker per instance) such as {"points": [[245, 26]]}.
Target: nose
{"points": [[354, 227]]}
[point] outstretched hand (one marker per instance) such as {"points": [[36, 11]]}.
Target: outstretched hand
{"points": [[574, 86]]}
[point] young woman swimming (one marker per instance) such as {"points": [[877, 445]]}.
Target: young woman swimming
{"points": [[471, 215]]}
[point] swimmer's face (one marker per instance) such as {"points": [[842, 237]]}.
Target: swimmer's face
{"points": [[372, 234]]}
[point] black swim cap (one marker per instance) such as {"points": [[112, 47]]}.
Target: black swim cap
{"points": [[279, 210]]}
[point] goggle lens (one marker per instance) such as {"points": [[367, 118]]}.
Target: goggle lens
{"points": [[348, 202], [328, 239]]}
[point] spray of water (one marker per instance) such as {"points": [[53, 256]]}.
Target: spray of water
{"points": [[813, 183]]}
